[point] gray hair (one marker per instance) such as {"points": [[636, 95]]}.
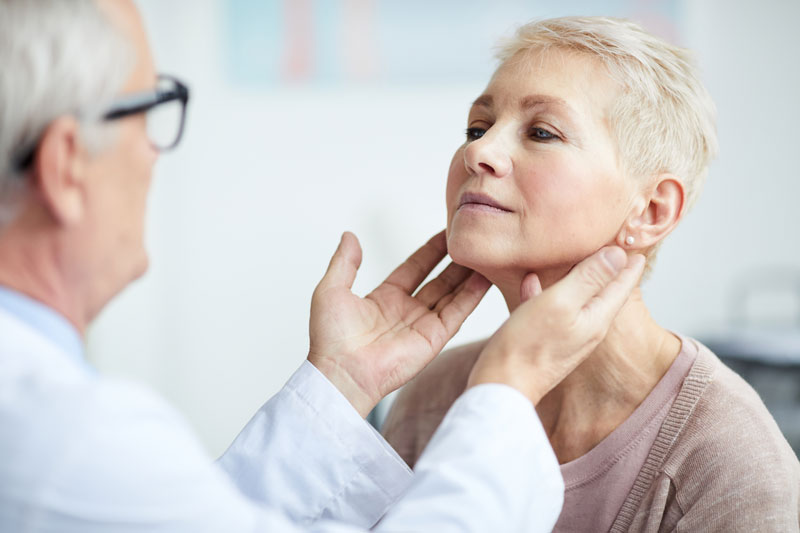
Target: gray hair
{"points": [[57, 57], [665, 119]]}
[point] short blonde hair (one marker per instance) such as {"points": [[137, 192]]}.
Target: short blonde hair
{"points": [[665, 119]]}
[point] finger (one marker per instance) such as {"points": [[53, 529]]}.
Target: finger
{"points": [[590, 276], [439, 327], [416, 268], [604, 307], [434, 308], [444, 284], [344, 263], [530, 287], [447, 298], [466, 299]]}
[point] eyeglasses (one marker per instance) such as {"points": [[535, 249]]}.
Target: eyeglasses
{"points": [[165, 107]]}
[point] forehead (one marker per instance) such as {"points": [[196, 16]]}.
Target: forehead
{"points": [[125, 16], [553, 78]]}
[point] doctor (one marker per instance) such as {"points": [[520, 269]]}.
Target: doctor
{"points": [[81, 452]]}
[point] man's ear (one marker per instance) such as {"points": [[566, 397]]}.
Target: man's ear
{"points": [[656, 216], [59, 171]]}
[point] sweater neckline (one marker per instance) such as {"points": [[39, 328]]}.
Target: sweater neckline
{"points": [[700, 375], [624, 438]]}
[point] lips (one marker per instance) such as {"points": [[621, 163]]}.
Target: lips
{"points": [[480, 200]]}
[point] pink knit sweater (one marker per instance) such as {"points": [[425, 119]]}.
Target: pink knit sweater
{"points": [[718, 462]]}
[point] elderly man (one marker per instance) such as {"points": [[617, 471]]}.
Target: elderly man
{"points": [[79, 134]]}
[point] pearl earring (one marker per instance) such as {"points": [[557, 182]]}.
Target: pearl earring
{"points": [[629, 240]]}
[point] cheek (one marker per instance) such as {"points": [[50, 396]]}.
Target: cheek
{"points": [[579, 206], [133, 171], [145, 157], [136, 144], [456, 177], [552, 181], [569, 189], [141, 159]]}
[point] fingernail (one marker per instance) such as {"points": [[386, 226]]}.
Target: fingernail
{"points": [[615, 258]]}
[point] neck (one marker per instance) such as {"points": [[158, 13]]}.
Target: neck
{"points": [[610, 384], [32, 264], [509, 282]]}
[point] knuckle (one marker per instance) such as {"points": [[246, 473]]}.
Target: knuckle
{"points": [[598, 274], [434, 286], [414, 263], [595, 336], [560, 308], [598, 333], [454, 274]]}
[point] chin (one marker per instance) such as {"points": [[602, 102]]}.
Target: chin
{"points": [[497, 257], [471, 250], [140, 269]]}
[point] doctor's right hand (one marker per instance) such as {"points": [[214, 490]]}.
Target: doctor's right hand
{"points": [[368, 347], [554, 330]]}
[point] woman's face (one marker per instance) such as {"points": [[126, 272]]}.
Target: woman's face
{"points": [[537, 185]]}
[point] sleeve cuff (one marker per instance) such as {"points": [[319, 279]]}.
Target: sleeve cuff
{"points": [[489, 463], [309, 452]]}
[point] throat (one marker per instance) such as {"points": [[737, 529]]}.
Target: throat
{"points": [[603, 392]]}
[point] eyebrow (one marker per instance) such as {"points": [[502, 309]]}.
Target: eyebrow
{"points": [[541, 99], [487, 100], [484, 100]]}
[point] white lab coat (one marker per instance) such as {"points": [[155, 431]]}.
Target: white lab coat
{"points": [[82, 453]]}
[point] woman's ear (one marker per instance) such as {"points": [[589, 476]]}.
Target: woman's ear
{"points": [[662, 209], [59, 171]]}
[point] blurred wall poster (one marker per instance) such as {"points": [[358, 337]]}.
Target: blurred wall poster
{"points": [[322, 42]]}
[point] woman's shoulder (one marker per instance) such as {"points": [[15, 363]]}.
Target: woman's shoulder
{"points": [[724, 411], [735, 407], [727, 445]]}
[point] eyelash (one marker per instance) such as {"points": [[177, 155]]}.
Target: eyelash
{"points": [[474, 134], [550, 135]]}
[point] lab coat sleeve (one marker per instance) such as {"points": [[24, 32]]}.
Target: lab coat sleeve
{"points": [[117, 458], [308, 454], [488, 467]]}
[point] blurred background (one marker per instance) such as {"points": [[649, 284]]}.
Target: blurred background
{"points": [[311, 117]]}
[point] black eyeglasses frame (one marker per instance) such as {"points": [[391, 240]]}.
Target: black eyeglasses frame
{"points": [[133, 104]]}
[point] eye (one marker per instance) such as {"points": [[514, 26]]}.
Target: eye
{"points": [[541, 134], [474, 133]]}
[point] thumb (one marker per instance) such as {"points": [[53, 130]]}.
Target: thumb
{"points": [[589, 277], [531, 286], [344, 263]]}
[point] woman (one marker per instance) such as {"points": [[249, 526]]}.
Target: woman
{"points": [[593, 132]]}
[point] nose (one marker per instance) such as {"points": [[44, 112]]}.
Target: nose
{"points": [[488, 155]]}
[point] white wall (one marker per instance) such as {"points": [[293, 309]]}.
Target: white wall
{"points": [[244, 215], [745, 224]]}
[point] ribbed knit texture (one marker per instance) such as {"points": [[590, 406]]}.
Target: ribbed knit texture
{"points": [[719, 463]]}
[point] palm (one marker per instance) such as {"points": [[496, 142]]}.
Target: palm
{"points": [[388, 330], [382, 340]]}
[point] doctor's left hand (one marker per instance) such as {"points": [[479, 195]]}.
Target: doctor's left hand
{"points": [[368, 347]]}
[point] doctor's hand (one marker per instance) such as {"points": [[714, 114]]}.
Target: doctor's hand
{"points": [[368, 347], [554, 330]]}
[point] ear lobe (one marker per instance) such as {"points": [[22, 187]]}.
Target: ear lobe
{"points": [[663, 211], [59, 171]]}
